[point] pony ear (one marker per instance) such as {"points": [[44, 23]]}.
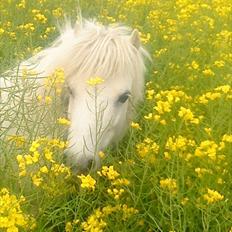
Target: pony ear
{"points": [[134, 38]]}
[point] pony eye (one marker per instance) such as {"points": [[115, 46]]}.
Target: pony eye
{"points": [[123, 98]]}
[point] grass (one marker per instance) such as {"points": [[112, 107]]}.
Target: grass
{"points": [[177, 164]]}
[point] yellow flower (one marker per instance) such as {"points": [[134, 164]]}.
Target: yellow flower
{"points": [[162, 107], [44, 169], [68, 227], [169, 184], [208, 130], [227, 138], [212, 196], [58, 12], [48, 155], [95, 81], [37, 180], [135, 125], [184, 201], [187, 115], [145, 38], [201, 171], [63, 121], [121, 181], [56, 80], [1, 31], [219, 63], [48, 100], [194, 65], [18, 139], [150, 94], [108, 172], [101, 154], [148, 146], [149, 116], [12, 217], [21, 4], [116, 193], [34, 146], [28, 27], [87, 182], [38, 16], [95, 222], [207, 148], [208, 72]]}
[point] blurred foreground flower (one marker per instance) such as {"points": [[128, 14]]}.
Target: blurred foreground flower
{"points": [[95, 81], [12, 217], [63, 121]]}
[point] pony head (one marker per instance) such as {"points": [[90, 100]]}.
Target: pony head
{"points": [[104, 68]]}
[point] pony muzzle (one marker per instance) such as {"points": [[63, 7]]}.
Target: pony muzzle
{"points": [[82, 163]]}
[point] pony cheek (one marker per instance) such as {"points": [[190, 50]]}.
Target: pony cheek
{"points": [[71, 106], [118, 125], [107, 139], [120, 115]]}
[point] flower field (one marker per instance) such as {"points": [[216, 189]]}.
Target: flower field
{"points": [[172, 170]]}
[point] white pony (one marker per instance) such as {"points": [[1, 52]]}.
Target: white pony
{"points": [[98, 114]]}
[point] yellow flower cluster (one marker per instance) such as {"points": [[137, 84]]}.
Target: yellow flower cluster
{"points": [[87, 182], [56, 81], [165, 101], [38, 16], [63, 121], [19, 140], [212, 196], [95, 81], [1, 31], [227, 138], [115, 190], [147, 149], [108, 172], [169, 184], [116, 193], [150, 94], [135, 125], [187, 115], [53, 82], [97, 220], [121, 181], [69, 226], [217, 93], [208, 72], [179, 143], [12, 218], [58, 12], [201, 171], [42, 165], [21, 4], [27, 28], [207, 148]]}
